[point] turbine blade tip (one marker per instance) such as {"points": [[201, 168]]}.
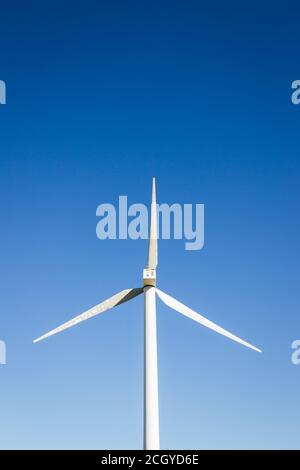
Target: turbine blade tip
{"points": [[37, 340], [255, 348], [153, 190]]}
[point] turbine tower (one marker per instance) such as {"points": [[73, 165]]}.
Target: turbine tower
{"points": [[149, 289]]}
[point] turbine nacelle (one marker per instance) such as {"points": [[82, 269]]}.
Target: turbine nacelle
{"points": [[149, 277]]}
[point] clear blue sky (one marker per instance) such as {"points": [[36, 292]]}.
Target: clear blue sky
{"points": [[101, 96]]}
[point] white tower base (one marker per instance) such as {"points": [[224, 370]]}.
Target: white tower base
{"points": [[151, 413]]}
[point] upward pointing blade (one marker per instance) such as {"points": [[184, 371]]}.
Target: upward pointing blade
{"points": [[152, 254], [113, 301], [188, 312]]}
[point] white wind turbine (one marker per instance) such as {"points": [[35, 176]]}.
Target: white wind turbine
{"points": [[151, 408]]}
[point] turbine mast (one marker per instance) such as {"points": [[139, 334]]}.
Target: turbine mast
{"points": [[151, 408]]}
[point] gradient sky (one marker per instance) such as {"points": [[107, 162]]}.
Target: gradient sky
{"points": [[101, 96]]}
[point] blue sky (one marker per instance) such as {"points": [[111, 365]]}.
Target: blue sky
{"points": [[101, 96]]}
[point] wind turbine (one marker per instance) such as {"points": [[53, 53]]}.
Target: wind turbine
{"points": [[151, 408]]}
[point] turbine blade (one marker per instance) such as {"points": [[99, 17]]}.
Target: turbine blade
{"points": [[152, 253], [188, 312], [117, 299]]}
